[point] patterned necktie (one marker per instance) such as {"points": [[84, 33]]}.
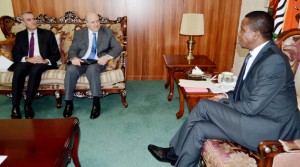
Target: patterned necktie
{"points": [[31, 45], [240, 81], [93, 49]]}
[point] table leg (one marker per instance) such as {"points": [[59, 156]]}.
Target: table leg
{"points": [[180, 113], [168, 79], [75, 147], [171, 82]]}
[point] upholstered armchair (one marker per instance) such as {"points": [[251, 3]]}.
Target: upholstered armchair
{"points": [[216, 153]]}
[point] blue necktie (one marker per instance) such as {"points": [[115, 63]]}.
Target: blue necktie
{"points": [[93, 49], [240, 81]]}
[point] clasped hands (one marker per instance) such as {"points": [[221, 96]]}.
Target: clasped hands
{"points": [[101, 61], [36, 60]]}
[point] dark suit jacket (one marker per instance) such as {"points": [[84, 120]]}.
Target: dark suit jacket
{"points": [[268, 99], [47, 45], [106, 43]]}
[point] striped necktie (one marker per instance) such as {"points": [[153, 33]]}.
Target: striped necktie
{"points": [[240, 81]]}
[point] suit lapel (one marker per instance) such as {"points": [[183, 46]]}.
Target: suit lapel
{"points": [[40, 41], [100, 36], [26, 40], [260, 55]]}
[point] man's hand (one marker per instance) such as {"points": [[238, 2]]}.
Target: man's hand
{"points": [[218, 97], [103, 60], [76, 61], [37, 60]]}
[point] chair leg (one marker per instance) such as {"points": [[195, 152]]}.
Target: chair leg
{"points": [[58, 99], [123, 98]]}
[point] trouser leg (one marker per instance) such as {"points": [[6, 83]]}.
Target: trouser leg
{"points": [[20, 72], [226, 119], [93, 75], [34, 81], [190, 153], [71, 77]]}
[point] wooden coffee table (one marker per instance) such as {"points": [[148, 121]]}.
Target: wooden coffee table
{"points": [[180, 63], [39, 142]]}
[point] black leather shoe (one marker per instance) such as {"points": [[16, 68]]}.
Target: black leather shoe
{"points": [[161, 154], [15, 113], [29, 114], [68, 110], [95, 112]]}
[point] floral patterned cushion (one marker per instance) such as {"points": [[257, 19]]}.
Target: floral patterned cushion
{"points": [[218, 153], [291, 47]]}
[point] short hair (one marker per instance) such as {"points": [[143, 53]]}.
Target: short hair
{"points": [[261, 21], [23, 13]]}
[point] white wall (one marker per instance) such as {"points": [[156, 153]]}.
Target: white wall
{"points": [[5, 9]]}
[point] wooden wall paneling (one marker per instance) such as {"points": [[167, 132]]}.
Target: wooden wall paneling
{"points": [[153, 28]]}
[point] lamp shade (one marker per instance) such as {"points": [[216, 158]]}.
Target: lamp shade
{"points": [[192, 24]]}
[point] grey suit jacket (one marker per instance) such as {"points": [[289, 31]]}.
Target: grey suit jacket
{"points": [[268, 104], [106, 43]]}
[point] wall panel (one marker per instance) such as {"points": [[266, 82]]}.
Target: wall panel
{"points": [[153, 28]]}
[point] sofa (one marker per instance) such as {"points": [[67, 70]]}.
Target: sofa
{"points": [[216, 153], [113, 80]]}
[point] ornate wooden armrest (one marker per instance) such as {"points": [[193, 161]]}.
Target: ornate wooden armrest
{"points": [[269, 149]]}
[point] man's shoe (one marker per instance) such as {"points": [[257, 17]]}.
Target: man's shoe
{"points": [[29, 114], [161, 154], [15, 113], [68, 110], [95, 112]]}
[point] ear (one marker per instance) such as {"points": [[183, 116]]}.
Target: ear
{"points": [[257, 34]]}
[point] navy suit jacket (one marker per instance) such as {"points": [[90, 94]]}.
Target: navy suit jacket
{"points": [[47, 45], [268, 104]]}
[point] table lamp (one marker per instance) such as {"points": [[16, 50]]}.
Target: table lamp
{"points": [[192, 25]]}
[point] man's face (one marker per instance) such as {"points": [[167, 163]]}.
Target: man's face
{"points": [[29, 22], [246, 36], [92, 22]]}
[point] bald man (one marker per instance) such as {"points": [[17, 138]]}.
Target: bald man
{"points": [[91, 49]]}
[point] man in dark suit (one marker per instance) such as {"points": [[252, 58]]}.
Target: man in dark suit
{"points": [[263, 105], [89, 53], [34, 52]]}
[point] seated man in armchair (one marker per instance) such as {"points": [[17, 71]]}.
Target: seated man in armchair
{"points": [[263, 105], [89, 53]]}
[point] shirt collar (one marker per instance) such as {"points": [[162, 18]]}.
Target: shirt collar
{"points": [[91, 33], [256, 50], [35, 32]]}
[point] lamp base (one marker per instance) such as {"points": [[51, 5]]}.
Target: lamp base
{"points": [[190, 44]]}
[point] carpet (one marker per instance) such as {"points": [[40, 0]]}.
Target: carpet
{"points": [[120, 136]]}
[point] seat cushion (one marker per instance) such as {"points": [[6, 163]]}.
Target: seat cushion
{"points": [[56, 77], [218, 153]]}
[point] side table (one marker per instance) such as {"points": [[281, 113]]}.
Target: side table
{"points": [[192, 98], [40, 142], [179, 62]]}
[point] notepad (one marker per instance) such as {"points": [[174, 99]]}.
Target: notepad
{"points": [[2, 158], [5, 63], [196, 90]]}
